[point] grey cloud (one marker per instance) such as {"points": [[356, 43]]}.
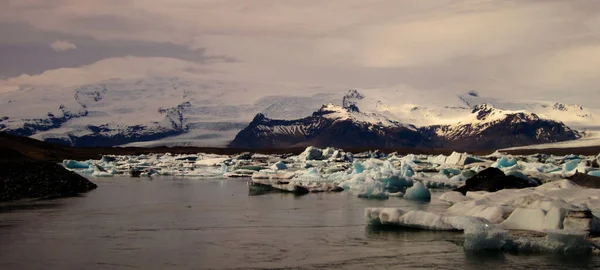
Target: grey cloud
{"points": [[29, 53], [534, 48]]}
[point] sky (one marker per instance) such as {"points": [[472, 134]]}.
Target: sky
{"points": [[520, 49]]}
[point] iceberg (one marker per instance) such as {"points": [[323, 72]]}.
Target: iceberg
{"points": [[420, 219], [505, 162], [279, 166], [72, 164], [406, 170], [418, 192], [485, 237], [311, 153], [373, 189]]}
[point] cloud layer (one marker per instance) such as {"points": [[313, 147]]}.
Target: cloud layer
{"points": [[62, 46], [529, 48]]}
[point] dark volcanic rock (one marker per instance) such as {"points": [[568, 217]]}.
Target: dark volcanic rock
{"points": [[21, 179], [493, 179], [585, 180]]}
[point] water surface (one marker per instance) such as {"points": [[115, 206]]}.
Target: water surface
{"points": [[187, 223]]}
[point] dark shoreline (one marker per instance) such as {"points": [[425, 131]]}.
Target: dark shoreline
{"points": [[14, 147]]}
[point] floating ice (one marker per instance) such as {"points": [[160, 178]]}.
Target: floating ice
{"points": [[504, 162], [460, 159], [420, 219], [279, 166], [372, 189], [406, 170], [72, 164], [212, 161], [494, 214], [453, 197], [526, 219], [418, 192], [485, 237], [424, 220], [594, 173], [311, 153], [396, 194]]}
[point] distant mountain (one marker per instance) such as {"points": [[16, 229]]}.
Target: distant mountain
{"points": [[149, 112], [336, 126], [490, 128], [174, 111], [485, 127]]}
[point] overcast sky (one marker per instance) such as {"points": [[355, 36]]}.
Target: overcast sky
{"points": [[533, 49]]}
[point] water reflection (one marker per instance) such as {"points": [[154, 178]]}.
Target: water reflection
{"points": [[395, 233], [484, 257], [31, 205]]}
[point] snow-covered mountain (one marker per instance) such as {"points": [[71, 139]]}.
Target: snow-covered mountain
{"points": [[148, 112], [573, 115], [332, 125], [489, 128], [483, 127], [209, 112]]}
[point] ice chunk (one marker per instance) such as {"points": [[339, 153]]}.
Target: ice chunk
{"points": [[465, 222], [424, 220], [372, 189], [279, 166], [101, 174], [440, 159], [568, 168], [311, 153], [420, 219], [494, 214], [396, 183], [72, 164], [454, 197], [449, 172], [212, 161], [548, 168], [406, 170], [383, 216], [554, 219], [594, 173], [418, 192], [556, 241], [504, 162], [485, 237], [358, 167], [396, 194], [526, 219], [460, 159], [270, 174]]}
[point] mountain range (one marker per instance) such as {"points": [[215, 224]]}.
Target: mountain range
{"points": [[177, 111], [483, 128]]}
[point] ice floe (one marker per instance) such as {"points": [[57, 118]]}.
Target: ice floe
{"points": [[495, 195]]}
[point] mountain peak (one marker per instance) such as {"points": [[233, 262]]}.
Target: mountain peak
{"points": [[566, 107], [483, 110], [258, 117], [349, 101]]}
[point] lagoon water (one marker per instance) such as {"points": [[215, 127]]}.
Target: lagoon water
{"points": [[191, 223]]}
